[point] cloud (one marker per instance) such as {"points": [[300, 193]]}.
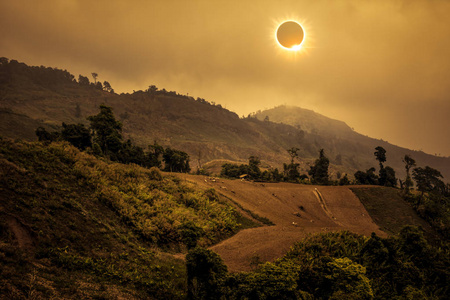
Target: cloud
{"points": [[377, 65]]}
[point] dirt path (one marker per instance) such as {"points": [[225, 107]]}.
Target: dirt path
{"points": [[296, 210], [21, 233]]}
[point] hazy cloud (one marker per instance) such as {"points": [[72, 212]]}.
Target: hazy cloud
{"points": [[381, 66]]}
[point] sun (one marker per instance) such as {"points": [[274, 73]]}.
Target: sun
{"points": [[290, 35]]}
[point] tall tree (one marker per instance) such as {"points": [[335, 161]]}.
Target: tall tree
{"points": [[291, 172], [206, 273], [409, 163], [319, 171], [94, 75], [427, 180], [253, 167], [380, 155], [107, 131], [154, 155]]}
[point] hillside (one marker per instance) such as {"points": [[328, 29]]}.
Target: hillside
{"points": [[74, 226], [32, 96], [298, 211], [346, 147]]}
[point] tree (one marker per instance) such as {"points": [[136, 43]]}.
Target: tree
{"points": [[77, 135], [380, 155], [319, 171], [190, 233], [368, 177], [94, 75], [45, 136], [427, 180], [253, 167], [152, 89], [206, 273], [344, 180], [409, 163], [154, 155], [82, 80], [387, 177], [107, 87], [291, 172], [107, 131], [99, 86], [4, 61], [176, 161], [348, 280]]}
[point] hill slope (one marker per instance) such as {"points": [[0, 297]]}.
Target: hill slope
{"points": [[74, 226], [46, 96], [300, 210]]}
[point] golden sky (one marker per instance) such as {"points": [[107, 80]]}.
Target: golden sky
{"points": [[383, 67]]}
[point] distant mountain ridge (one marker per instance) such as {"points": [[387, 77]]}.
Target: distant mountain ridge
{"points": [[307, 120], [43, 96]]}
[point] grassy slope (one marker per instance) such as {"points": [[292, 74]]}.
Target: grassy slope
{"points": [[390, 211], [74, 226]]}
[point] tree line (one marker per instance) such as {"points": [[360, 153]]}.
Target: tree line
{"points": [[104, 138], [337, 265], [318, 172]]}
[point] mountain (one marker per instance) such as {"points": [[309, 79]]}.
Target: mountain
{"points": [[346, 147], [210, 134], [74, 226], [77, 226]]}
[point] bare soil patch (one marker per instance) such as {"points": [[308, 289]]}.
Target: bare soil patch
{"points": [[296, 210]]}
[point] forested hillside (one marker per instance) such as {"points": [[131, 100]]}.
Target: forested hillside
{"points": [[31, 96]]}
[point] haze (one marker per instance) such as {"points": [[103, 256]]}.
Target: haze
{"points": [[383, 67]]}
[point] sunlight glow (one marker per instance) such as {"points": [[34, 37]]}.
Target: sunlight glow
{"points": [[305, 44], [302, 32]]}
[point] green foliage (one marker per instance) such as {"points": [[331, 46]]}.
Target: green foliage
{"points": [[291, 172], [344, 180], [434, 208], [319, 171], [270, 281], [190, 233], [427, 180], [206, 273], [251, 170], [368, 177], [380, 155], [83, 80], [45, 136], [341, 265], [77, 135], [176, 161], [409, 163], [96, 219], [348, 279], [107, 131], [387, 177], [53, 193]]}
